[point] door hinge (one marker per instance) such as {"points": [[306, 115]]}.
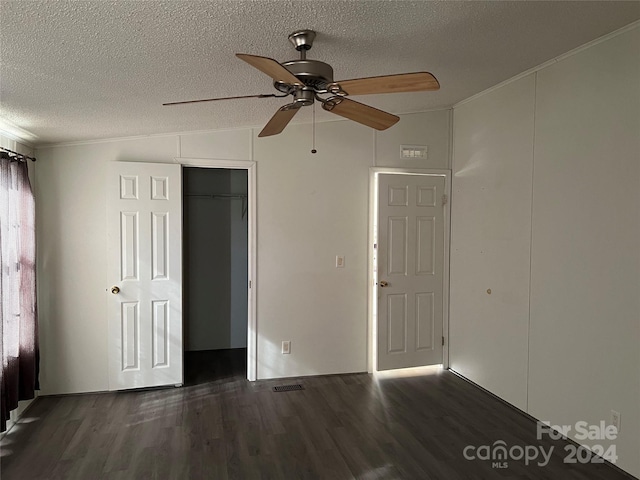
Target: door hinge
{"points": [[445, 199], [249, 283], [443, 341]]}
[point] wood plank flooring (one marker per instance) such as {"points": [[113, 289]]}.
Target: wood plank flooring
{"points": [[219, 426]]}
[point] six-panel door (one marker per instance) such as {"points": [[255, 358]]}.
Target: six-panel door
{"points": [[410, 270], [144, 215]]}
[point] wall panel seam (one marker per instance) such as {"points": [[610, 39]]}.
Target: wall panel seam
{"points": [[533, 161]]}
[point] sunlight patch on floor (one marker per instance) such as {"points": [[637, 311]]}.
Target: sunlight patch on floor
{"points": [[28, 419], [5, 452], [408, 372], [386, 471]]}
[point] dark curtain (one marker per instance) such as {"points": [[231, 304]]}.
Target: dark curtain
{"points": [[18, 313]]}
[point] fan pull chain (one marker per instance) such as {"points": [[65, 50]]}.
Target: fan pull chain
{"points": [[313, 129]]}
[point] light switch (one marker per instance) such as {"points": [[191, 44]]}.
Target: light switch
{"points": [[339, 261]]}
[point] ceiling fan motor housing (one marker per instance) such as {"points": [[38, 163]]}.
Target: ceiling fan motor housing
{"points": [[313, 73]]}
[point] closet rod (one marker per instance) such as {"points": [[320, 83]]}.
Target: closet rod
{"points": [[216, 195], [11, 155], [243, 196]]}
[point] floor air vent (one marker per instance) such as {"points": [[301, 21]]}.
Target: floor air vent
{"points": [[287, 388]]}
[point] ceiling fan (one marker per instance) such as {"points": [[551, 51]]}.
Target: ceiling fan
{"points": [[310, 80]]}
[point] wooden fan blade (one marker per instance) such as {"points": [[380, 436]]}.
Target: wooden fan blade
{"points": [[404, 82], [270, 67], [263, 95], [361, 113], [280, 120]]}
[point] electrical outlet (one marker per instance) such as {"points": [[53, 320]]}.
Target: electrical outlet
{"points": [[615, 419], [339, 261], [286, 346]]}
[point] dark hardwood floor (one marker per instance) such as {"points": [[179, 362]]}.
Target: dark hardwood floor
{"points": [[219, 426]]}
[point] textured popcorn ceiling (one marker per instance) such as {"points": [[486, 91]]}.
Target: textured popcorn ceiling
{"points": [[73, 70]]}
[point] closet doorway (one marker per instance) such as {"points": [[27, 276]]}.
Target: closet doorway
{"points": [[216, 273]]}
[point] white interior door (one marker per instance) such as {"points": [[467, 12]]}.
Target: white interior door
{"points": [[144, 216], [410, 270]]}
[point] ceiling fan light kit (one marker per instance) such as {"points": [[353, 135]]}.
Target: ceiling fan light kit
{"points": [[308, 81]]}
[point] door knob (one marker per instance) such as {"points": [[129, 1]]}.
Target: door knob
{"points": [[383, 283], [115, 290]]}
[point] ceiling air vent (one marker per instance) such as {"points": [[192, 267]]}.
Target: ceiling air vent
{"points": [[413, 151]]}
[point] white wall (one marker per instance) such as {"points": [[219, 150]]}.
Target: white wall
{"points": [[310, 208], [585, 264], [576, 150], [431, 129], [490, 239]]}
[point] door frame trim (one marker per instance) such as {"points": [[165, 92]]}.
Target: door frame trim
{"points": [[251, 168], [371, 289]]}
